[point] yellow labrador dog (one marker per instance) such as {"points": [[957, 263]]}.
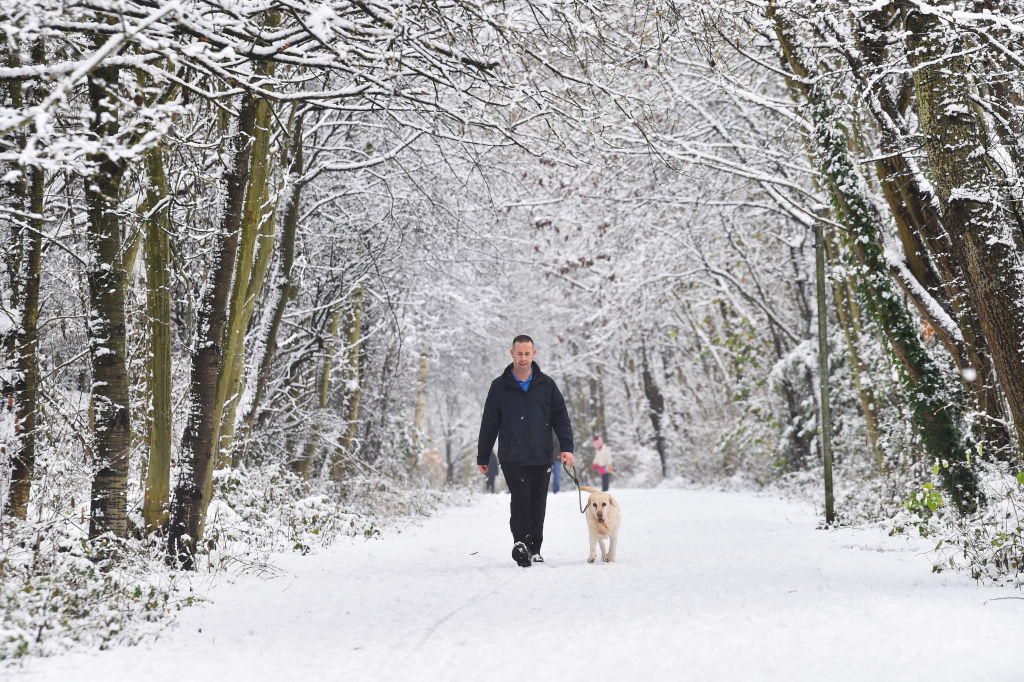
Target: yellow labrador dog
{"points": [[603, 523]]}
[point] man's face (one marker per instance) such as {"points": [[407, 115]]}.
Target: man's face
{"points": [[522, 355]]}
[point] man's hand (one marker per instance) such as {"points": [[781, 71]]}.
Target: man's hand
{"points": [[568, 460], [482, 467]]}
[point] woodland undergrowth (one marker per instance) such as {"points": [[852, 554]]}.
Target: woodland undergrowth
{"points": [[59, 591], [987, 545]]}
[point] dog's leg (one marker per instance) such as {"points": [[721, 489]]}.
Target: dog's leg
{"points": [[613, 542], [593, 547], [604, 549]]}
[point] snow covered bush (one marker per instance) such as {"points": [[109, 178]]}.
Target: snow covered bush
{"points": [[258, 511], [989, 545], [58, 590]]}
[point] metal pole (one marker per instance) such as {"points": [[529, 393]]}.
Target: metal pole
{"points": [[826, 413]]}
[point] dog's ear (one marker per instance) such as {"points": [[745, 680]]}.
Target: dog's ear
{"points": [[611, 501]]}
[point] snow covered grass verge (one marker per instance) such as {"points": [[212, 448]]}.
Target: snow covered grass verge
{"points": [[988, 545], [258, 512], [59, 591]]}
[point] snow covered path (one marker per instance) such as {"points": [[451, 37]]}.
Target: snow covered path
{"points": [[708, 586]]}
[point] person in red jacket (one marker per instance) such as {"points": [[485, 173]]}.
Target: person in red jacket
{"points": [[523, 406]]}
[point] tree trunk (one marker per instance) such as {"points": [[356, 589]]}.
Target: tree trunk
{"points": [[421, 410], [656, 409], [254, 250], [926, 241], [597, 402], [258, 224], [23, 266], [303, 464], [848, 312], [158, 303], [578, 402], [934, 418], [981, 219], [191, 493], [449, 449], [285, 289], [25, 389], [107, 286], [353, 338]]}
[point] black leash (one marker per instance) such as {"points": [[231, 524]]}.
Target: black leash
{"points": [[579, 493]]}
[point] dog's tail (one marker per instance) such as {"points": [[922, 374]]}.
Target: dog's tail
{"points": [[588, 489]]}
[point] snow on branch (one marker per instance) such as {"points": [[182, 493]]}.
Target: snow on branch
{"points": [[898, 265], [17, 119]]}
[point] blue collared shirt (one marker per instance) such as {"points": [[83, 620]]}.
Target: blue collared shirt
{"points": [[524, 384]]}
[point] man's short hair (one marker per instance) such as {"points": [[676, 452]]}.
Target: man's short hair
{"points": [[522, 338]]}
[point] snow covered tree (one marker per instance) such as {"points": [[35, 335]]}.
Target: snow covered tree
{"points": [[23, 238]]}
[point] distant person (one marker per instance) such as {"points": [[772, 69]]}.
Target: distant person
{"points": [[523, 405], [492, 472], [603, 462]]}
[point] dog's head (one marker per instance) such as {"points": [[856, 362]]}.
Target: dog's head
{"points": [[598, 505]]}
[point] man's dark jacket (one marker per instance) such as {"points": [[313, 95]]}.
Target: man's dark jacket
{"points": [[522, 420]]}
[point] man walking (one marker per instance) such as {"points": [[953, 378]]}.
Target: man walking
{"points": [[523, 405]]}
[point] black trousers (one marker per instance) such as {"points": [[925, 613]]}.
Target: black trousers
{"points": [[528, 485]]}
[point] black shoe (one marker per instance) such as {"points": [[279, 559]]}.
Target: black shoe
{"points": [[521, 554], [537, 559]]}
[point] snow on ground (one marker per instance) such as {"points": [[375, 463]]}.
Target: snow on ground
{"points": [[708, 586]]}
